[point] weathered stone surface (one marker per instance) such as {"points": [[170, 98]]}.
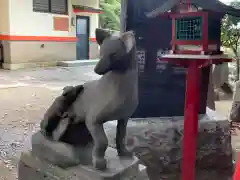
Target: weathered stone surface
{"points": [[60, 105], [59, 153], [235, 110], [78, 130], [201, 174], [31, 167], [157, 143], [92, 103]]}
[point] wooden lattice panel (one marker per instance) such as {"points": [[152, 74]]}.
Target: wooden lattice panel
{"points": [[189, 28]]}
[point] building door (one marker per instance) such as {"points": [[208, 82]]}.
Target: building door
{"points": [[82, 34], [1, 53]]}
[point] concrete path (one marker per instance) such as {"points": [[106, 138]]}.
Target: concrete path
{"points": [[53, 78]]}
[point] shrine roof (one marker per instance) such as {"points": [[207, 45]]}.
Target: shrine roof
{"points": [[87, 8], [213, 5]]}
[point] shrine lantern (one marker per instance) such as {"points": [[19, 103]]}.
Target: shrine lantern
{"points": [[196, 41], [196, 25], [196, 31]]}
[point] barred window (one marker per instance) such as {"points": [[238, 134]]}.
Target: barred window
{"points": [[51, 6], [41, 5]]}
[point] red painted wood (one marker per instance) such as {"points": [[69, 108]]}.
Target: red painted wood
{"points": [[188, 52], [191, 42], [205, 31], [204, 42], [192, 94], [188, 14], [173, 34], [236, 175], [200, 61], [197, 52], [188, 4], [191, 121], [185, 42], [75, 10], [192, 98], [192, 14]]}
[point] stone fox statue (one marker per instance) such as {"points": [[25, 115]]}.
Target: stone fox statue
{"points": [[58, 108], [112, 97]]}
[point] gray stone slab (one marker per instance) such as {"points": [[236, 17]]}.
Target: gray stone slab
{"points": [[32, 167], [235, 109], [59, 153]]}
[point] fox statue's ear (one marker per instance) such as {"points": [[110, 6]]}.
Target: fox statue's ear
{"points": [[101, 35], [129, 40]]}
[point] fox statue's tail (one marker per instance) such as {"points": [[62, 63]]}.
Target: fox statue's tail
{"points": [[69, 95]]}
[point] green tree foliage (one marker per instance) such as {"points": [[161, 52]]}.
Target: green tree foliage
{"points": [[231, 36], [110, 19]]}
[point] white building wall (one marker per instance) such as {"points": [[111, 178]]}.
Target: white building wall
{"points": [[25, 22], [4, 17], [21, 28]]}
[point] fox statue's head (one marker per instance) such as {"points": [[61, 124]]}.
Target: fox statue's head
{"points": [[117, 53]]}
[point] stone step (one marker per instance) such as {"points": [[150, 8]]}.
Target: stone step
{"points": [[75, 63], [32, 167]]}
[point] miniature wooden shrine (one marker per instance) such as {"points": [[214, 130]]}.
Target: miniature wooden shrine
{"points": [[196, 41], [196, 32]]}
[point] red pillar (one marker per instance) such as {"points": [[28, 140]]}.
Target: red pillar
{"points": [[236, 175], [192, 98]]}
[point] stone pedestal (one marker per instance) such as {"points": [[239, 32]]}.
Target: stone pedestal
{"points": [[157, 142], [55, 160], [235, 110], [59, 153], [33, 168]]}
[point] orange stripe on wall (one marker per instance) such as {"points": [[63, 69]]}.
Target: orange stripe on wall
{"points": [[36, 38], [40, 38]]}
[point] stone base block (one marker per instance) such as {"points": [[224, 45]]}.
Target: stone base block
{"points": [[60, 153], [33, 168], [235, 110], [157, 142]]}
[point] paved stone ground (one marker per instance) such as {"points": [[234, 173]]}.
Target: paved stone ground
{"points": [[47, 77], [25, 95]]}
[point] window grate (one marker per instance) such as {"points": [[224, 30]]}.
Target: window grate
{"points": [[59, 6], [51, 6], [41, 5]]}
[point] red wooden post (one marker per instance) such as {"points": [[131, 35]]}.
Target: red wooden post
{"points": [[192, 96], [193, 53], [236, 175], [192, 103], [191, 121]]}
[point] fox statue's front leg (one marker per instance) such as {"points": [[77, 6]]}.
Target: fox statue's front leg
{"points": [[100, 143], [120, 138]]}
